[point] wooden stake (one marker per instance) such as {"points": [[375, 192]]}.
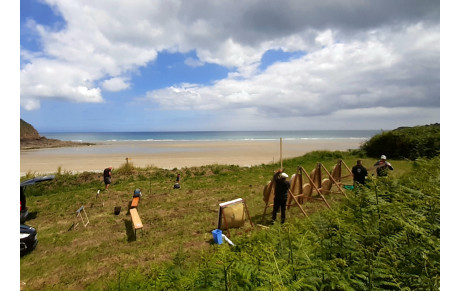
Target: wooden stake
{"points": [[297, 202], [281, 152]]}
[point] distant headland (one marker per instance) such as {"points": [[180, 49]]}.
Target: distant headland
{"points": [[31, 139]]}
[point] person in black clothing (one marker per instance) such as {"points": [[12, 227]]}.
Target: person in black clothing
{"points": [[177, 184], [383, 166], [359, 173], [107, 177], [281, 191]]}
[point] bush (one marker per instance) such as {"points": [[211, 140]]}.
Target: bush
{"points": [[406, 143]]}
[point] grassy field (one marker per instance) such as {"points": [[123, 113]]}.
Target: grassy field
{"points": [[177, 222]]}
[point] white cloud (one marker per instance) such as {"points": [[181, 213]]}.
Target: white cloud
{"points": [[369, 55], [115, 84], [358, 74], [50, 79], [194, 62]]}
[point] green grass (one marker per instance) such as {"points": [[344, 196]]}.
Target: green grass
{"points": [[177, 224]]}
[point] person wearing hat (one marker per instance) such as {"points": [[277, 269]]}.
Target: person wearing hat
{"points": [[107, 177], [281, 191], [137, 193], [383, 166]]}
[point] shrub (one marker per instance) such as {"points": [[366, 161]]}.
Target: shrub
{"points": [[408, 142]]}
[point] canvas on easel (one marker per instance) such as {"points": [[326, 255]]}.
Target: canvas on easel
{"points": [[233, 214], [316, 175], [269, 193], [297, 186]]}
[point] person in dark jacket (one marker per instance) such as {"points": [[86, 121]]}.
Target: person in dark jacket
{"points": [[359, 173], [383, 166], [281, 191], [107, 177]]}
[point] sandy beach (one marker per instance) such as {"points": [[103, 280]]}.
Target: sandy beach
{"points": [[172, 154]]}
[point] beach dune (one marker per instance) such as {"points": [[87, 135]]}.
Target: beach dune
{"points": [[172, 154]]}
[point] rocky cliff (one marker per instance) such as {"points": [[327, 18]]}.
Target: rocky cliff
{"points": [[28, 131], [30, 139]]}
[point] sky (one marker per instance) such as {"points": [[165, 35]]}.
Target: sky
{"points": [[145, 65]]}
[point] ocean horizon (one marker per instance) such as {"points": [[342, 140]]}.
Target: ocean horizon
{"points": [[158, 136]]}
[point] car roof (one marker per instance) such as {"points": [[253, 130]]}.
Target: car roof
{"points": [[36, 180]]}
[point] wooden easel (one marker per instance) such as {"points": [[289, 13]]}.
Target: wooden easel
{"points": [[337, 172], [333, 180], [99, 195], [306, 190], [222, 223], [78, 214]]}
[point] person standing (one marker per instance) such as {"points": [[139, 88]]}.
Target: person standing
{"points": [[281, 191], [107, 177], [177, 184], [359, 173], [383, 166]]}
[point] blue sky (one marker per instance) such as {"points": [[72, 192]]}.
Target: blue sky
{"points": [[228, 65]]}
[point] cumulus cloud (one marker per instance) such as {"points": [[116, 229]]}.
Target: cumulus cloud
{"points": [[51, 79], [115, 84], [358, 74], [358, 54]]}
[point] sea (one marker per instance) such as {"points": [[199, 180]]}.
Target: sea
{"points": [[210, 135]]}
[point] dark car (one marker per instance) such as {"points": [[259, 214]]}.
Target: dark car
{"points": [[28, 234], [28, 239], [23, 207]]}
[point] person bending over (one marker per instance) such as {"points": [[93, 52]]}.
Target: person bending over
{"points": [[107, 177]]}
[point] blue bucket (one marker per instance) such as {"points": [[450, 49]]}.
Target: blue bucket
{"points": [[217, 235]]}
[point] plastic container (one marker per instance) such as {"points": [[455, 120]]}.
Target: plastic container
{"points": [[217, 235]]}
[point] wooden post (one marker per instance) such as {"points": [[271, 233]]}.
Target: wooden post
{"points": [[281, 152]]}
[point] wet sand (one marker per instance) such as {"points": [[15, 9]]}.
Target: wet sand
{"points": [[171, 154]]}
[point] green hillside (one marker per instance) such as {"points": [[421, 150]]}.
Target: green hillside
{"points": [[384, 236]]}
